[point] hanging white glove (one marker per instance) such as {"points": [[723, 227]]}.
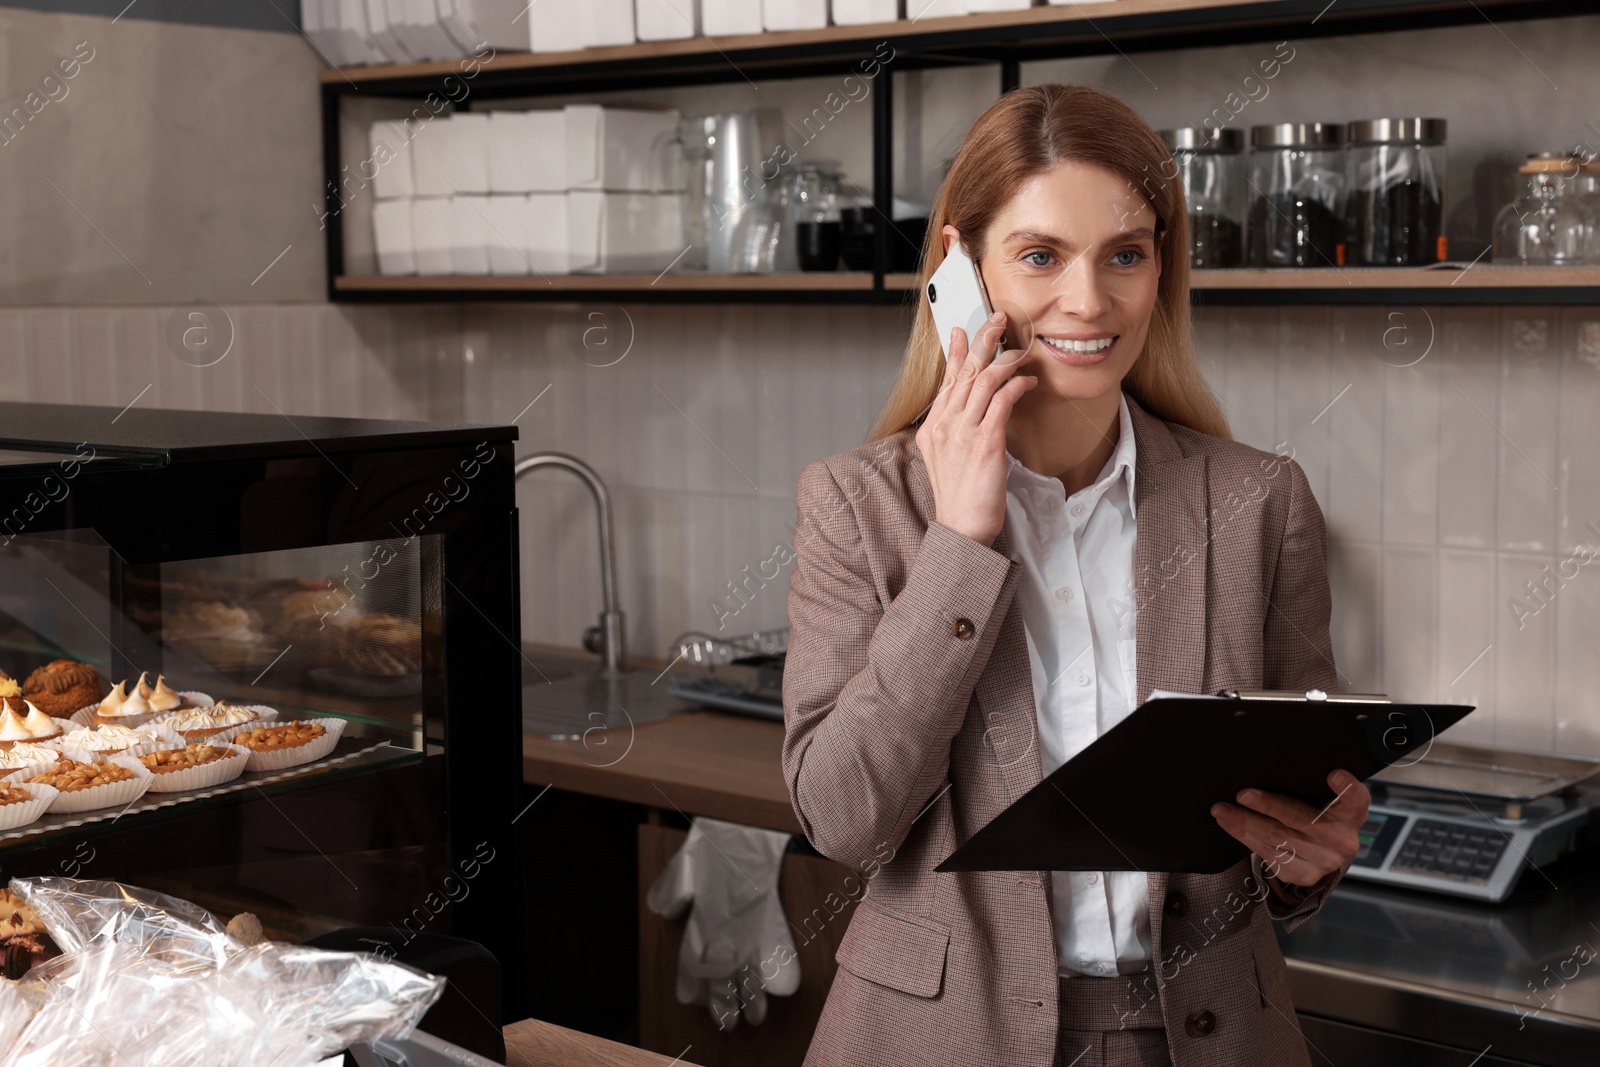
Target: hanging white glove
{"points": [[736, 946]]}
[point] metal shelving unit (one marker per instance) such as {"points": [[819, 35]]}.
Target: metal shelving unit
{"points": [[1004, 39]]}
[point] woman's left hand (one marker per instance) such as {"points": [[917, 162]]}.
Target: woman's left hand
{"points": [[1299, 844]]}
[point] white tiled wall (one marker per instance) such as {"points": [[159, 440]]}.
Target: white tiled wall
{"points": [[1448, 484]]}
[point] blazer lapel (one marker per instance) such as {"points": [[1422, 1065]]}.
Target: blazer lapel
{"points": [[1172, 558]]}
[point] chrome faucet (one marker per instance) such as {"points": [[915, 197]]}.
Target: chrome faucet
{"points": [[606, 638]]}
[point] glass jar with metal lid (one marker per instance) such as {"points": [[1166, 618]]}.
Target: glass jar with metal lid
{"points": [[1297, 195], [1394, 215], [1545, 225], [1211, 165]]}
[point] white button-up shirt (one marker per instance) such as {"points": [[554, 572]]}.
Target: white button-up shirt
{"points": [[1076, 597]]}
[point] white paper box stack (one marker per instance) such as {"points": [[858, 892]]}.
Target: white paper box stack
{"points": [[508, 234], [351, 16], [794, 14], [416, 24], [390, 153], [620, 149], [384, 35], [391, 232], [997, 5], [857, 12], [470, 235], [466, 159], [621, 233], [474, 24], [338, 30], [527, 151], [430, 147], [721, 18], [549, 241], [566, 25], [667, 20], [430, 234]]}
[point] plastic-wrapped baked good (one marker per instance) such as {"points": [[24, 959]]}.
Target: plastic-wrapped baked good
{"points": [[166, 986]]}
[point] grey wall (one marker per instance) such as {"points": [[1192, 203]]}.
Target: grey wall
{"points": [[174, 166]]}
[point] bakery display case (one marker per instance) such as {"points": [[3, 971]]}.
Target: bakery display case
{"points": [[266, 665]]}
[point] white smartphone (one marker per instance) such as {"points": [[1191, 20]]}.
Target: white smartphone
{"points": [[957, 297]]}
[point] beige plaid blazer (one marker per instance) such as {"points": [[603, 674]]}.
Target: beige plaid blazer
{"points": [[910, 723]]}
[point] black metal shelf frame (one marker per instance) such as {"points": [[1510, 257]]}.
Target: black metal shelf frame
{"points": [[1005, 44]]}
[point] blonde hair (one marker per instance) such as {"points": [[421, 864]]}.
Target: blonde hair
{"points": [[1025, 132]]}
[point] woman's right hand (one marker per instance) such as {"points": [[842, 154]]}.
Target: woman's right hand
{"points": [[963, 438]]}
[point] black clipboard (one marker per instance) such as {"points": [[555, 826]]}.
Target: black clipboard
{"points": [[1139, 798]]}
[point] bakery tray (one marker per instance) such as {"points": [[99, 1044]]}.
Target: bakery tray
{"points": [[351, 753]]}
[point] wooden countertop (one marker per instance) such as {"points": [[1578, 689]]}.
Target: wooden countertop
{"points": [[699, 763], [532, 1043]]}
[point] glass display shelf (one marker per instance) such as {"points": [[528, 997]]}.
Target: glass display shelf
{"points": [[350, 756]]}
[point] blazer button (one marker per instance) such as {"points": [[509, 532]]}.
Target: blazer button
{"points": [[963, 628], [1200, 1023], [1177, 903]]}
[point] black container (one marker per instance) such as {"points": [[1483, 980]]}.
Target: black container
{"points": [[818, 245], [856, 233], [858, 227], [907, 253]]}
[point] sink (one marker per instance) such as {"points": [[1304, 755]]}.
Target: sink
{"points": [[568, 697]]}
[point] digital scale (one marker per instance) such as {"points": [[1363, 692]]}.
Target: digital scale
{"points": [[1468, 821]]}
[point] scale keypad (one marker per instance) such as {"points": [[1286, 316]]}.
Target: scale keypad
{"points": [[1450, 850]]}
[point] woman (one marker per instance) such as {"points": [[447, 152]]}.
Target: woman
{"points": [[1027, 546]]}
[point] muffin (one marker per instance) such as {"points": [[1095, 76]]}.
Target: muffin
{"points": [[62, 686]]}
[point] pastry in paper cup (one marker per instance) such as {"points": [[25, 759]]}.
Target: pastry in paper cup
{"points": [[224, 768], [114, 739], [217, 723], [32, 759], [90, 798], [143, 704], [15, 813], [277, 757], [30, 726]]}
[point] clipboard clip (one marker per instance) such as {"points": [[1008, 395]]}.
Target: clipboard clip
{"points": [[1314, 694]]}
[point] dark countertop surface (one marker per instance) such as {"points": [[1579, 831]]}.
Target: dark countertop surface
{"points": [[1522, 975], [172, 436]]}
